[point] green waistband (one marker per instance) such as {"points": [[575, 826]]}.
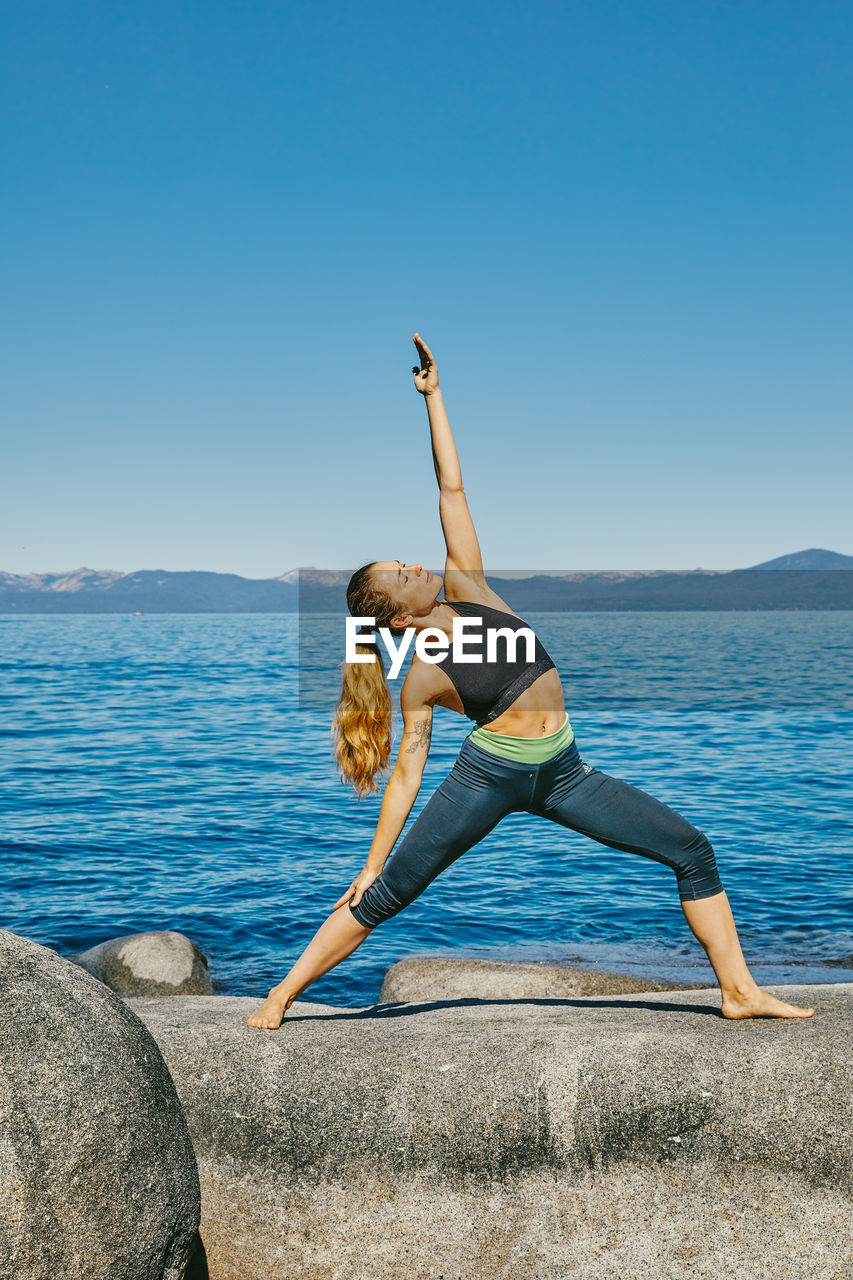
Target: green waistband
{"points": [[527, 750]]}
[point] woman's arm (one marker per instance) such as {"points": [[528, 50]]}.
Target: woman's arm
{"points": [[403, 785], [460, 536]]}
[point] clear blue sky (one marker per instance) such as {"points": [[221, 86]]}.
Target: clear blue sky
{"points": [[623, 227]]}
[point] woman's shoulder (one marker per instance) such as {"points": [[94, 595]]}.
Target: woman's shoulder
{"points": [[473, 588], [424, 677], [428, 682]]}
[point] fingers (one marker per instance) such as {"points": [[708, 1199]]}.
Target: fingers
{"points": [[356, 889], [423, 351]]}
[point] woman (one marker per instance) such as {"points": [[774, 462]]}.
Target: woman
{"points": [[522, 756]]}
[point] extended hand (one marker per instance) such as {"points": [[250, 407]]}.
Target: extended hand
{"points": [[358, 886], [426, 378]]}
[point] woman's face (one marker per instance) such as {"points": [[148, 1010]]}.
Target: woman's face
{"points": [[413, 587]]}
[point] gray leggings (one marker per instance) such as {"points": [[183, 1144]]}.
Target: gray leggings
{"points": [[482, 788]]}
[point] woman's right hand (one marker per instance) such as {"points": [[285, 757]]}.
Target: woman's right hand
{"points": [[426, 378], [358, 886]]}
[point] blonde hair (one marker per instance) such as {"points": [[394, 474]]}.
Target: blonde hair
{"points": [[362, 724]]}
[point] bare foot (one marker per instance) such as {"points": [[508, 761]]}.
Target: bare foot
{"points": [[760, 1004], [271, 1012]]}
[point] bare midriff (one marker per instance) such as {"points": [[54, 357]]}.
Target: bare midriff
{"points": [[539, 710]]}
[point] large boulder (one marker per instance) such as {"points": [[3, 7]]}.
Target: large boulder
{"points": [[98, 1180], [163, 963], [598, 1137], [460, 977]]}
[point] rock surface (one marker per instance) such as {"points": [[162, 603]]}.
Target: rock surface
{"points": [[602, 1138], [461, 978], [153, 964], [97, 1175]]}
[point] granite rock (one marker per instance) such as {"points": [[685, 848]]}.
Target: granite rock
{"points": [[98, 1180], [162, 963], [601, 1137], [459, 978]]}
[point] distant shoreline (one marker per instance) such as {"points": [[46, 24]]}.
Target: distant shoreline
{"points": [[813, 580]]}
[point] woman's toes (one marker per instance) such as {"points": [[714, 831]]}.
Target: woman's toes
{"points": [[269, 1015]]}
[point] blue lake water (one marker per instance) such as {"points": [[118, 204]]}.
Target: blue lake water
{"points": [[160, 772]]}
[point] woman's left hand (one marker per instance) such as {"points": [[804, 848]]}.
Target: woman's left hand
{"points": [[426, 378], [357, 888]]}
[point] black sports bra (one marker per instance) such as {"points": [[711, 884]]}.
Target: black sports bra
{"points": [[487, 689]]}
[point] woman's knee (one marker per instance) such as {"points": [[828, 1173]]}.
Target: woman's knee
{"points": [[697, 872], [376, 905]]}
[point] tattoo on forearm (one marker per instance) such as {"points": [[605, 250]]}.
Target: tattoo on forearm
{"points": [[422, 734]]}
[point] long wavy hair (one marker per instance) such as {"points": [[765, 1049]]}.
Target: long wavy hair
{"points": [[362, 724]]}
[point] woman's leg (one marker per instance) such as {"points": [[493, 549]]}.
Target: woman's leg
{"points": [[623, 817], [470, 801], [338, 936], [712, 922]]}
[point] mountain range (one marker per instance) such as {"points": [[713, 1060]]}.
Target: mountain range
{"points": [[802, 580]]}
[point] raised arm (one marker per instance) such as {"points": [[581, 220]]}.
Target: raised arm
{"points": [[460, 536], [404, 783]]}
